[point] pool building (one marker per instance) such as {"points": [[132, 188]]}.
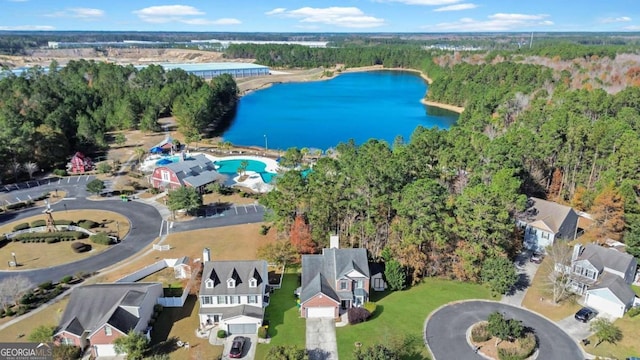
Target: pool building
{"points": [[196, 172]]}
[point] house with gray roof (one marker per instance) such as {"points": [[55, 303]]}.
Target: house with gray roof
{"points": [[98, 314], [545, 221], [197, 172], [233, 295], [333, 282], [603, 275]]}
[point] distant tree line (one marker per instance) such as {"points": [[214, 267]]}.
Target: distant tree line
{"points": [[46, 116]]}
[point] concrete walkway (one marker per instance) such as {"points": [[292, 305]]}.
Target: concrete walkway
{"points": [[321, 339]]}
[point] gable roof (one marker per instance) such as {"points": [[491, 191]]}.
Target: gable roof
{"points": [[92, 306], [241, 271], [616, 285], [545, 215], [601, 257], [321, 271], [197, 171]]}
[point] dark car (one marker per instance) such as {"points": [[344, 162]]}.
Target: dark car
{"points": [[236, 347], [536, 257], [585, 314]]}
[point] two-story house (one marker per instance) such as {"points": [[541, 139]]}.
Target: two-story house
{"points": [[98, 314], [604, 276], [195, 172], [333, 281], [545, 221], [233, 295]]}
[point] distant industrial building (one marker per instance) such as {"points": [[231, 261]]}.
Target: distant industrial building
{"points": [[225, 43], [211, 70]]}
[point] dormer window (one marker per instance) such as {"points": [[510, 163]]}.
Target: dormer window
{"points": [[344, 285], [253, 282], [209, 284], [231, 283]]}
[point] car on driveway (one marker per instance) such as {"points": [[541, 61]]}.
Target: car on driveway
{"points": [[585, 314], [236, 347], [536, 257]]}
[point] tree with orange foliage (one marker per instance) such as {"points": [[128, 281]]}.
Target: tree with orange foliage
{"points": [[300, 236], [555, 188], [608, 213]]}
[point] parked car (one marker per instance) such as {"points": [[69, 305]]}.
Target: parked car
{"points": [[536, 257], [236, 347], [585, 314]]}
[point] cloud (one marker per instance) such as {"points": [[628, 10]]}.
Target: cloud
{"points": [[615, 19], [79, 13], [276, 11], [495, 22], [632, 28], [27, 28], [423, 2], [348, 17], [162, 14], [457, 7]]}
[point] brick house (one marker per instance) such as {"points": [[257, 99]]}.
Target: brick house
{"points": [[334, 281], [194, 172], [98, 314]]}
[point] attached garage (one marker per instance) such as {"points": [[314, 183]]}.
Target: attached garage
{"points": [[105, 350], [321, 312], [235, 329]]}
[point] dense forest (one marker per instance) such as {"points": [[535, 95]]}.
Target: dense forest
{"points": [[45, 116], [443, 202]]}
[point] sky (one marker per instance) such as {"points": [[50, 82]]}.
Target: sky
{"points": [[395, 16]]}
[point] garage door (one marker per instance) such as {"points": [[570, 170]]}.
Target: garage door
{"points": [[604, 306], [321, 312], [242, 329], [105, 350]]}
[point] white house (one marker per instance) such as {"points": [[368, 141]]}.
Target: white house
{"points": [[545, 221], [604, 276], [233, 295]]}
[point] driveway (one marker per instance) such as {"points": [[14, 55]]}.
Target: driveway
{"points": [[526, 270], [445, 332], [249, 350], [576, 329], [321, 339]]}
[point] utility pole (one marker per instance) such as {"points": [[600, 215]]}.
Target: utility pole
{"points": [[118, 230], [531, 40]]}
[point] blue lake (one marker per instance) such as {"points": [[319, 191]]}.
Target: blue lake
{"points": [[321, 114]]}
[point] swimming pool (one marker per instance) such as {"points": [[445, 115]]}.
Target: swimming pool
{"points": [[231, 167]]}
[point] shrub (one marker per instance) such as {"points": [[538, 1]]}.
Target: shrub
{"points": [[370, 306], [101, 238], [19, 205], [28, 298], [357, 315], [64, 222], [222, 334], [80, 247], [527, 347], [45, 285], [52, 240], [9, 312], [87, 224], [67, 279], [264, 229], [104, 168], [66, 352], [262, 332], [38, 223], [21, 226], [158, 308], [154, 191], [634, 311], [60, 172], [480, 333], [22, 310]]}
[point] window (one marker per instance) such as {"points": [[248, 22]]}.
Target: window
{"points": [[253, 283], [378, 283], [67, 341], [206, 300], [545, 235], [107, 331], [222, 299], [231, 283], [360, 284], [165, 175], [252, 299], [209, 284], [343, 285], [233, 300]]}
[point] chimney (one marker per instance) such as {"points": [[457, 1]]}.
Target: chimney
{"points": [[334, 242], [206, 255], [577, 250]]}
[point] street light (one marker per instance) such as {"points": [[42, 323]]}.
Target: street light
{"points": [[266, 148], [15, 262]]}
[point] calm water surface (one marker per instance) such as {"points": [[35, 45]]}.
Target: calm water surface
{"points": [[321, 114]]}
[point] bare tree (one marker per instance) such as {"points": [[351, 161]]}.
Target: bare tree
{"points": [[13, 288], [558, 266], [30, 167]]}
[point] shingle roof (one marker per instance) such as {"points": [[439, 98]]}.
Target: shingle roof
{"points": [[546, 215], [602, 257], [229, 312], [92, 306], [321, 271], [616, 285], [240, 271], [197, 171]]}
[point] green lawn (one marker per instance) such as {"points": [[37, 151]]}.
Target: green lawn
{"points": [[400, 316], [636, 289], [286, 327], [628, 346]]}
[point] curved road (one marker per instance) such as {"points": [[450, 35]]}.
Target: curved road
{"points": [[145, 225], [446, 331]]}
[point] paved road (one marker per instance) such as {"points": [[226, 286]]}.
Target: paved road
{"points": [[446, 331], [145, 225]]}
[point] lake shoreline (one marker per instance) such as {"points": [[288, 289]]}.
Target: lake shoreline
{"points": [[317, 75]]}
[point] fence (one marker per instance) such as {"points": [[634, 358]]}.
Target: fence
{"points": [[179, 301], [278, 285], [146, 271]]}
